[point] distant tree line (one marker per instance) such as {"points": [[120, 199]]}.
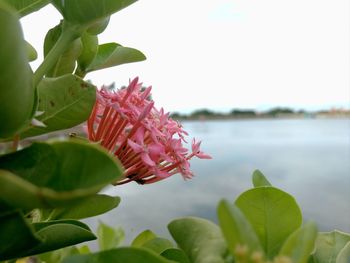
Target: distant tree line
{"points": [[242, 113]]}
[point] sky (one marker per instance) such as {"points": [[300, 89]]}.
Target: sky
{"points": [[225, 54]]}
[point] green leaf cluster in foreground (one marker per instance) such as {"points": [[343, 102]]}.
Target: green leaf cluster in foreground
{"points": [[264, 224], [55, 95], [44, 189]]}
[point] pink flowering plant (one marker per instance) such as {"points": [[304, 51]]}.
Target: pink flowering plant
{"points": [[147, 142], [120, 136]]}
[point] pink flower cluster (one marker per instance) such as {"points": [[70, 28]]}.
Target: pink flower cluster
{"points": [[148, 143]]}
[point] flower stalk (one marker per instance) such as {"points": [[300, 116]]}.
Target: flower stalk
{"points": [[68, 35]]}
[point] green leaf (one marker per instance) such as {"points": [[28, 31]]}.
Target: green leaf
{"points": [[84, 250], [59, 234], [34, 163], [66, 62], [38, 226], [19, 193], [51, 38], [158, 245], [99, 167], [74, 165], [60, 97], [31, 52], [200, 239], [99, 26], [38, 237], [329, 245], [16, 89], [12, 224], [4, 208], [236, 229], [176, 255], [113, 54], [56, 174], [344, 254], [119, 255], [300, 244], [89, 50], [274, 215], [109, 237], [86, 12], [259, 179], [88, 207], [142, 238], [25, 7], [58, 255]]}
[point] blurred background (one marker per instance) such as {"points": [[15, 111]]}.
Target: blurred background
{"points": [[264, 84]]}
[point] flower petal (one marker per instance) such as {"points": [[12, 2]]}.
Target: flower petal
{"points": [[136, 147], [147, 159], [202, 155]]}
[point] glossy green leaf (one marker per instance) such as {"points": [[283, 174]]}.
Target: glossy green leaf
{"points": [[119, 255], [259, 179], [38, 226], [51, 175], [60, 97], [200, 239], [83, 165], [59, 234], [66, 62], [109, 237], [88, 207], [16, 89], [236, 228], [344, 254], [86, 12], [300, 244], [12, 224], [25, 7], [158, 245], [51, 38], [274, 215], [55, 48], [35, 164], [142, 238], [31, 52], [329, 245], [89, 50], [74, 165], [113, 54], [176, 255], [99, 26], [20, 193]]}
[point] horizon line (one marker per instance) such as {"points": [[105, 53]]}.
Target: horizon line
{"points": [[263, 109]]}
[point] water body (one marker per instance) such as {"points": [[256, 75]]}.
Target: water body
{"points": [[309, 159]]}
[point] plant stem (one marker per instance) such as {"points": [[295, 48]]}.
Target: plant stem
{"points": [[68, 35], [80, 72], [15, 143]]}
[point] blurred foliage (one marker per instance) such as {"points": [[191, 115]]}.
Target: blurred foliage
{"points": [[264, 224]]}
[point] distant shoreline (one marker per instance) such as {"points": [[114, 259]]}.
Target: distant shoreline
{"points": [[275, 113], [343, 117]]}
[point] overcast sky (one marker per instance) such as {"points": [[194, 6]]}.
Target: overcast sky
{"points": [[224, 54]]}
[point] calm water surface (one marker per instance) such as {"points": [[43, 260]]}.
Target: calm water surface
{"points": [[308, 158]]}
